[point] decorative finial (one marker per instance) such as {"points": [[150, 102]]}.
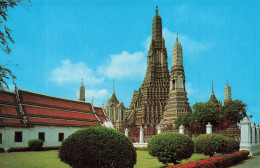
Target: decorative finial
{"points": [[82, 81], [92, 99], [212, 87], [227, 82], [177, 39], [156, 10], [113, 87]]}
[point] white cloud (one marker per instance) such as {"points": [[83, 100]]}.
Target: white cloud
{"points": [[190, 90], [100, 94], [189, 45], [124, 65], [69, 72]]}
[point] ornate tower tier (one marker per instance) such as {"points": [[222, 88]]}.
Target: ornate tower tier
{"points": [[227, 96], [149, 101], [82, 92], [178, 102]]}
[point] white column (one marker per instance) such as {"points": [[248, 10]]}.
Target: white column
{"points": [[181, 129], [141, 140], [245, 133], [209, 128], [257, 135], [126, 132], [159, 130], [253, 133]]}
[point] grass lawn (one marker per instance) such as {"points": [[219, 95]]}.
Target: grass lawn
{"points": [[49, 159]]}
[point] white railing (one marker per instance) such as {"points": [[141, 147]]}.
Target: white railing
{"points": [[250, 139]]}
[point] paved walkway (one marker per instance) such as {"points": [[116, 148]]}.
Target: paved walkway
{"points": [[253, 162]]}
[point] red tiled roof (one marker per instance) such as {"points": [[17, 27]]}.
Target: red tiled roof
{"points": [[43, 109], [11, 121], [98, 111], [45, 100], [8, 110], [7, 97], [58, 113], [65, 122]]}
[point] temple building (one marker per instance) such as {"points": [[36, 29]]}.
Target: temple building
{"points": [[27, 115], [177, 102], [213, 99], [115, 112], [149, 101]]}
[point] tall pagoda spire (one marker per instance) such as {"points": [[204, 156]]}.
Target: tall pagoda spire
{"points": [[227, 95], [213, 98], [149, 100], [82, 91], [177, 102]]}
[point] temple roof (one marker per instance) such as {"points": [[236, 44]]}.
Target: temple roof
{"points": [[113, 101], [213, 98], [25, 108]]}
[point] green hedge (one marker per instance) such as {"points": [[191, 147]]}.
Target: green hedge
{"points": [[170, 147], [35, 144], [2, 150], [98, 147], [209, 144], [233, 145]]}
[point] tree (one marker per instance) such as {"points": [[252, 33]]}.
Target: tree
{"points": [[233, 111], [5, 38], [205, 112]]}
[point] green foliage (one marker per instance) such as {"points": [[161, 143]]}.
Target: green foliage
{"points": [[35, 144], [2, 150], [170, 147], [233, 111], [233, 145], [186, 120], [209, 144], [98, 147], [5, 38], [205, 112]]}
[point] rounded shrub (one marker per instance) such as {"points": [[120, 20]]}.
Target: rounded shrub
{"points": [[98, 147], [233, 145], [170, 147], [2, 150], [35, 144], [209, 144]]}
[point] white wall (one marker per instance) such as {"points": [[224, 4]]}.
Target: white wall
{"points": [[51, 135]]}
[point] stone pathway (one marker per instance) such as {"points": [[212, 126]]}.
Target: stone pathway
{"points": [[253, 162]]}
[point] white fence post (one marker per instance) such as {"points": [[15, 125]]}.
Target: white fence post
{"points": [[159, 130], [245, 139], [126, 132], [209, 128], [257, 135], [253, 133], [181, 129], [141, 140]]}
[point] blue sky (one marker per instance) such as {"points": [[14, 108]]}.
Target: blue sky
{"points": [[57, 44]]}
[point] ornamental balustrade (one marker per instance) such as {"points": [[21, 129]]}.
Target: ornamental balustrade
{"points": [[250, 139]]}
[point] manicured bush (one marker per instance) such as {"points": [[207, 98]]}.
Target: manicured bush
{"points": [[233, 145], [98, 147], [216, 162], [2, 150], [170, 147], [209, 144], [46, 148], [35, 144], [18, 149]]}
